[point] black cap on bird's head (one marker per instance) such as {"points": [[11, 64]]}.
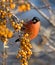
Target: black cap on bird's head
{"points": [[35, 20]]}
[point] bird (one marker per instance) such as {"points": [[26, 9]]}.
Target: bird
{"points": [[32, 27]]}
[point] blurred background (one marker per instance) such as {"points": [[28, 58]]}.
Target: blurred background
{"points": [[44, 45]]}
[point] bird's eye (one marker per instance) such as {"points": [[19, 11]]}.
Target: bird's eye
{"points": [[35, 20]]}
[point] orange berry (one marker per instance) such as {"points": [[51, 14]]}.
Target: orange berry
{"points": [[18, 55], [19, 9], [10, 1], [28, 8], [23, 7], [13, 23], [12, 5], [3, 0], [10, 34], [9, 15], [22, 64], [5, 35], [28, 5], [25, 63], [7, 0], [29, 52], [15, 26]]}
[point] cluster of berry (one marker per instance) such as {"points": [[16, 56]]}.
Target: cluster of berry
{"points": [[6, 16], [17, 26], [8, 3], [12, 5], [24, 7], [5, 32], [25, 52]]}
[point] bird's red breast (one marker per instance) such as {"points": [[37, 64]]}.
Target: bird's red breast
{"points": [[32, 29]]}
